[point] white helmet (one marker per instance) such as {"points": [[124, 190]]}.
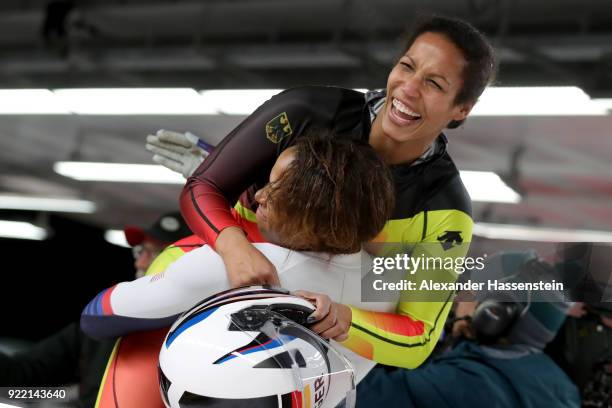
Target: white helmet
{"points": [[247, 348]]}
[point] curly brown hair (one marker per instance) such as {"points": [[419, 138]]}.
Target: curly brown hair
{"points": [[335, 195]]}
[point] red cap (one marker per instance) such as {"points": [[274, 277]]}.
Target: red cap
{"points": [[134, 235]]}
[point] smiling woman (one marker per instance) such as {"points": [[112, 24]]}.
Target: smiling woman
{"points": [[444, 68], [434, 85], [422, 89]]}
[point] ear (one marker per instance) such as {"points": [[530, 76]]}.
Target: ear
{"points": [[463, 110]]}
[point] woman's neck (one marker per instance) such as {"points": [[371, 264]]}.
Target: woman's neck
{"points": [[391, 151]]}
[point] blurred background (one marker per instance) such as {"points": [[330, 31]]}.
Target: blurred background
{"points": [[86, 81]]}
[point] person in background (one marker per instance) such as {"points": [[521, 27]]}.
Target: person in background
{"points": [[495, 361], [147, 243], [71, 357], [583, 347]]}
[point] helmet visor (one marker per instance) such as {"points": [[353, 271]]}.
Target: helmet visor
{"points": [[323, 377]]}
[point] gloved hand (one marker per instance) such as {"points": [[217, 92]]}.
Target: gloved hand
{"points": [[180, 152]]}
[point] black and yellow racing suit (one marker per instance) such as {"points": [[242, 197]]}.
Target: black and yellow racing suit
{"points": [[432, 205]]}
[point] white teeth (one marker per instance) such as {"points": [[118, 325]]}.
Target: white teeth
{"points": [[404, 109]]}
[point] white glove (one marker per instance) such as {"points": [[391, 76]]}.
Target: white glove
{"points": [[180, 152]]}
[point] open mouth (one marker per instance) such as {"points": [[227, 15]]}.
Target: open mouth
{"points": [[402, 114]]}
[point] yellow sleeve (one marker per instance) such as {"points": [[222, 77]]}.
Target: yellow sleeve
{"points": [[164, 259], [407, 338]]}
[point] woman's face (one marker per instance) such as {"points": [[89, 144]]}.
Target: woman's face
{"points": [[421, 90], [265, 212]]}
